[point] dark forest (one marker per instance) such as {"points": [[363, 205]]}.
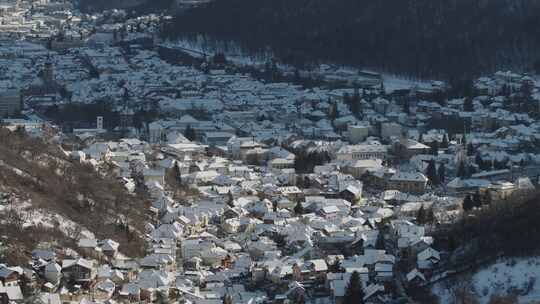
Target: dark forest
{"points": [[419, 38]]}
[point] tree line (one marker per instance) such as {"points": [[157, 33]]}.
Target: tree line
{"points": [[153, 6]]}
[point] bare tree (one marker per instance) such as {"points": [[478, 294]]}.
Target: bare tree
{"points": [[460, 290]]}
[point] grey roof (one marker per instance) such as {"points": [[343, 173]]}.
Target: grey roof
{"points": [[5, 272]]}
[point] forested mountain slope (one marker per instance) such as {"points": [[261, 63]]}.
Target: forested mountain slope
{"points": [[415, 37]]}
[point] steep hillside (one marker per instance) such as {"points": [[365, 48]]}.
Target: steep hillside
{"points": [[507, 280], [48, 198], [508, 228], [416, 37]]}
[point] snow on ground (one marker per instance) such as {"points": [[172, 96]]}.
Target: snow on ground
{"points": [[36, 217], [519, 276], [393, 83], [237, 56], [233, 54], [66, 226]]}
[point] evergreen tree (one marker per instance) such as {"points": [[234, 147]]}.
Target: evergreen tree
{"points": [[355, 103], [536, 66], [298, 209], [444, 143], [488, 165], [479, 161], [526, 90], [379, 244], [430, 216], [354, 294], [442, 173], [406, 106], [463, 87], [307, 182], [347, 99], [431, 172], [356, 94], [230, 199], [297, 77], [471, 170], [122, 33], [451, 243], [487, 199], [477, 201], [421, 215], [332, 114], [305, 162], [267, 70], [301, 162], [336, 265], [470, 149], [189, 133], [421, 138], [462, 171], [468, 105], [499, 165], [276, 74], [177, 173], [219, 59], [434, 147], [468, 203], [227, 299], [451, 134], [300, 299], [163, 137]]}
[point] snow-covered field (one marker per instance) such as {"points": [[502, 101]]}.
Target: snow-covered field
{"points": [[508, 276], [233, 53], [393, 83]]}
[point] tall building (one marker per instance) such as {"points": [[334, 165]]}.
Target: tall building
{"points": [[358, 133], [10, 102]]}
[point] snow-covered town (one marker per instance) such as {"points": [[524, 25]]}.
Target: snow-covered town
{"points": [[260, 183]]}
